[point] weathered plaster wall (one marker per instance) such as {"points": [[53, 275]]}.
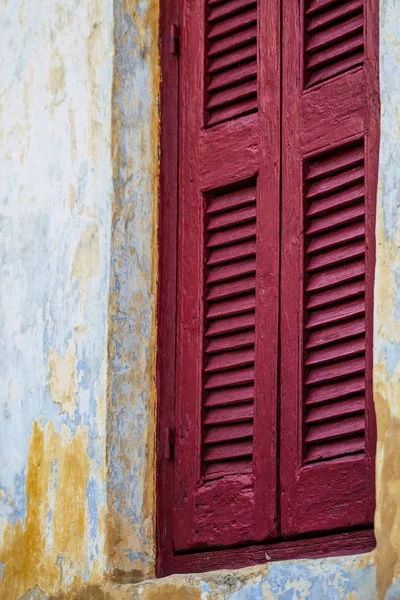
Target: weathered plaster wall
{"points": [[56, 193], [387, 305], [79, 171], [132, 327]]}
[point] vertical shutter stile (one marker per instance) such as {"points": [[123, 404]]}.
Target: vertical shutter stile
{"points": [[330, 133], [228, 251]]}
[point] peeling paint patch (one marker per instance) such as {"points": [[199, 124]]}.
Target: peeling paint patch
{"points": [[57, 79], [86, 260], [62, 380], [392, 356]]}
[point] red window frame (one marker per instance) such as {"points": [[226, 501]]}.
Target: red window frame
{"points": [[315, 545]]}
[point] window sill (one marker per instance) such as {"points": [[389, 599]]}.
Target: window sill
{"points": [[342, 544]]}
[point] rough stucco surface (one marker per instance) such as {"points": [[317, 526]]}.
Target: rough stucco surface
{"points": [[387, 305], [78, 166], [79, 171], [132, 397], [56, 192]]}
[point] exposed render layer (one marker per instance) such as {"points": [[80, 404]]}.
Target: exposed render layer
{"points": [[132, 328]]}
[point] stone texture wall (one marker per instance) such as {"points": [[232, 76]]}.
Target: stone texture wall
{"points": [[79, 170]]}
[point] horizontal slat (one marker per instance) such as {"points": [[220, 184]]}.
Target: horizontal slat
{"points": [[233, 76], [239, 109], [317, 5], [334, 219], [336, 313], [232, 24], [335, 449], [336, 32], [230, 253], [229, 414], [334, 182], [336, 275], [324, 166], [231, 200], [230, 378], [336, 352], [231, 324], [227, 433], [332, 295], [232, 270], [237, 395], [230, 59], [229, 43], [235, 287], [339, 370], [334, 410], [232, 217], [334, 14], [339, 428], [234, 306], [228, 451], [337, 237], [342, 198], [231, 342], [231, 95], [229, 8], [230, 360], [335, 333], [336, 256], [231, 467], [336, 390], [231, 235], [336, 68], [335, 52]]}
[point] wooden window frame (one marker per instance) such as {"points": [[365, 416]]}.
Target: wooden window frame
{"points": [[335, 544], [167, 279]]}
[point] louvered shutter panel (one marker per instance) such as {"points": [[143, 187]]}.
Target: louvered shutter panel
{"points": [[334, 38], [228, 252], [330, 147], [231, 66]]}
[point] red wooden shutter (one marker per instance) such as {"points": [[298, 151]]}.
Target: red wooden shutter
{"points": [[228, 247], [330, 147]]}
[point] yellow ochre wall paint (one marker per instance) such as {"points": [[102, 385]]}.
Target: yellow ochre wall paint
{"points": [[79, 128], [57, 474]]}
